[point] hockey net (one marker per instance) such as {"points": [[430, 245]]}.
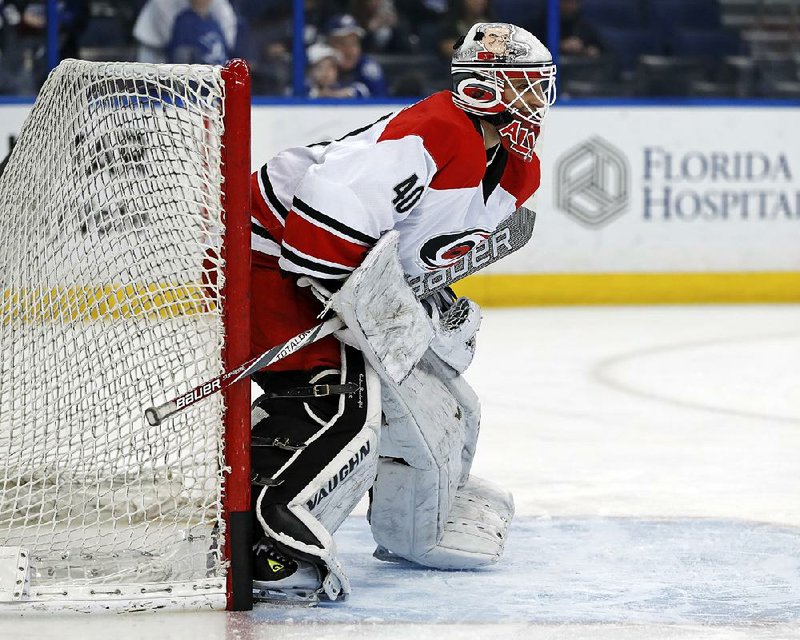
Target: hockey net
{"points": [[115, 293]]}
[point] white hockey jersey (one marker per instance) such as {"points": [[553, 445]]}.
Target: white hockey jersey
{"points": [[423, 171]]}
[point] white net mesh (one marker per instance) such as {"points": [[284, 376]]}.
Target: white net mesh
{"points": [[110, 302]]}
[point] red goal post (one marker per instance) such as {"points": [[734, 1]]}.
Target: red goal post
{"points": [[236, 205]]}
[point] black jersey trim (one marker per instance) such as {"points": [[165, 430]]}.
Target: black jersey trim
{"points": [[270, 192], [313, 265], [354, 132], [476, 122], [495, 168], [342, 228], [494, 171], [262, 232]]}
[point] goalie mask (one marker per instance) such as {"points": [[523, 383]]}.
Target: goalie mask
{"points": [[506, 76]]}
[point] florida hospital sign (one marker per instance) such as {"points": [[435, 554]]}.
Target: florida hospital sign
{"points": [[594, 186], [718, 185]]}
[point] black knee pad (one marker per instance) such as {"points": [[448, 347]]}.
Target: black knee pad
{"points": [[293, 439]]}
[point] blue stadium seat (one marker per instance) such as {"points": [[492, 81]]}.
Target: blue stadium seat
{"points": [[102, 31], [628, 44], [601, 68], [706, 43], [520, 12], [667, 76], [667, 15], [613, 13]]}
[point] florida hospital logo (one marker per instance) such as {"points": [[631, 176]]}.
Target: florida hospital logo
{"points": [[592, 184]]}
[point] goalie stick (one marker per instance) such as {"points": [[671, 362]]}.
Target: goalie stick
{"points": [[512, 234]]}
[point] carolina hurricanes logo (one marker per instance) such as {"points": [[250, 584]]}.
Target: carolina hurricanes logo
{"points": [[444, 250], [473, 94], [478, 92]]}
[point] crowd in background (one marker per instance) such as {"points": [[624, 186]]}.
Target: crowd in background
{"points": [[379, 48]]}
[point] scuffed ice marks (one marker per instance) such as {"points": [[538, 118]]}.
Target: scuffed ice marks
{"points": [[584, 571]]}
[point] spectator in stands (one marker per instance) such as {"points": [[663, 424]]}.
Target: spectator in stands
{"points": [[30, 18], [425, 20], [344, 34], [322, 79], [318, 12], [578, 37], [419, 12], [386, 31], [9, 19], [23, 32], [257, 10], [265, 29], [197, 37], [73, 18], [153, 28], [459, 18]]}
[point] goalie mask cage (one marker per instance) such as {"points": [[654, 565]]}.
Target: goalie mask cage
{"points": [[124, 271]]}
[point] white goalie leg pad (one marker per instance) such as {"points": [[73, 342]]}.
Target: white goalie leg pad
{"points": [[476, 528], [488, 495], [425, 506], [435, 420], [405, 519], [323, 504]]}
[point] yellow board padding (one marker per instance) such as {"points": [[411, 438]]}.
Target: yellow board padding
{"points": [[517, 290], [152, 301], [163, 301]]}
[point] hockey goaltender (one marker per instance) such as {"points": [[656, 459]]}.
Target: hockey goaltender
{"points": [[381, 406]]}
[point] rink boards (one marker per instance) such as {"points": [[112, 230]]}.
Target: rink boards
{"points": [[637, 203]]}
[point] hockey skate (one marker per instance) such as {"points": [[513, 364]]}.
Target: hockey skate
{"points": [[278, 579]]}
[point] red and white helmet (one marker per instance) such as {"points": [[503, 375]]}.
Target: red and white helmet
{"points": [[485, 62]]}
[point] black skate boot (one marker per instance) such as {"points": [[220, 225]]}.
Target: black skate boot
{"points": [[279, 579]]}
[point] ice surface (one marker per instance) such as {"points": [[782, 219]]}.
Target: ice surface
{"points": [[588, 570], [654, 454]]}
